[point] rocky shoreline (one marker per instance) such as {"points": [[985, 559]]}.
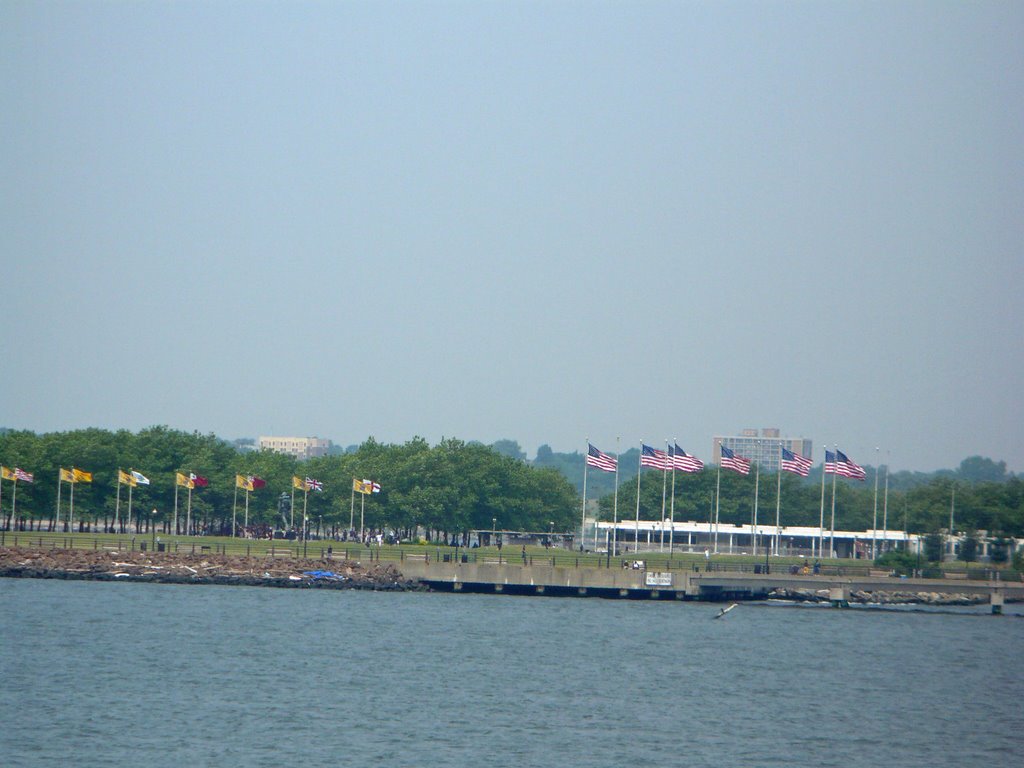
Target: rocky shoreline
{"points": [[178, 568], [880, 597]]}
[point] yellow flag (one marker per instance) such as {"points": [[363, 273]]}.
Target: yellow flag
{"points": [[184, 480], [126, 478], [6, 474], [360, 486], [81, 477], [66, 476], [298, 482], [242, 481]]}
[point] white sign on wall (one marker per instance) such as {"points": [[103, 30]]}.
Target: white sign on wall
{"points": [[658, 579]]}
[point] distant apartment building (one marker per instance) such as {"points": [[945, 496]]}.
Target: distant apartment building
{"points": [[763, 448], [299, 447]]}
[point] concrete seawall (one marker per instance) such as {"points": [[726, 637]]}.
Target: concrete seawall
{"points": [[510, 578]]}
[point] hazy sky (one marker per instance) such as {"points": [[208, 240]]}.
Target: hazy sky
{"points": [[541, 221]]}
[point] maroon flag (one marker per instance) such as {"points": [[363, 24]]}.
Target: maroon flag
{"points": [[256, 482], [25, 477], [198, 480]]}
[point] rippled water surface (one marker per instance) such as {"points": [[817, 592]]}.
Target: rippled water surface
{"points": [[107, 674]]}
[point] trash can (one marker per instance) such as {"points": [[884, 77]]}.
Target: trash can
{"points": [[142, 546], [447, 558], [465, 558], [161, 547]]}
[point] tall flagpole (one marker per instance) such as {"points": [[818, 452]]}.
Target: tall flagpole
{"points": [[176, 503], [832, 527], [874, 514], [615, 503], [60, 479], [291, 523], [14, 502], [885, 506], [245, 525], [757, 488], [639, 471], [130, 486], [664, 485], [718, 498], [188, 512], [71, 508], [583, 514], [234, 509], [305, 498], [117, 505], [362, 514], [672, 505], [778, 507], [821, 519], [352, 508]]}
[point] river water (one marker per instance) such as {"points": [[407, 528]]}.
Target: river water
{"points": [[108, 674]]}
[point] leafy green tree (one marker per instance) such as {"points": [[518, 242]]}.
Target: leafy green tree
{"points": [[933, 547]]}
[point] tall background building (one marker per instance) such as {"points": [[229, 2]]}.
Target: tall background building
{"points": [[763, 449], [299, 447]]}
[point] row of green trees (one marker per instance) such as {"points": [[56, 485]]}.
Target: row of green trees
{"points": [[447, 489], [455, 487]]}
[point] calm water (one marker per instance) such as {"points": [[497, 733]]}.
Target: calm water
{"points": [[95, 674]]}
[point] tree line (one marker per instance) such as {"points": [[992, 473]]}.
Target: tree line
{"points": [[446, 490], [455, 487]]}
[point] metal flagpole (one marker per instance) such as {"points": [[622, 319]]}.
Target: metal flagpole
{"points": [[874, 514], [821, 519], [778, 507], [832, 527], [615, 503], [362, 514], [234, 509], [71, 508], [117, 504], [583, 515], [245, 525], [14, 502], [292, 518], [757, 488], [305, 497], [188, 511], [352, 509], [664, 485], [639, 471], [885, 506], [60, 478], [672, 505], [718, 498], [176, 503], [130, 486]]}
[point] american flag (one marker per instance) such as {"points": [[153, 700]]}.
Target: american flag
{"points": [[652, 457], [600, 460], [25, 477], [314, 485], [795, 463], [830, 462], [683, 461], [847, 468], [731, 461]]}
